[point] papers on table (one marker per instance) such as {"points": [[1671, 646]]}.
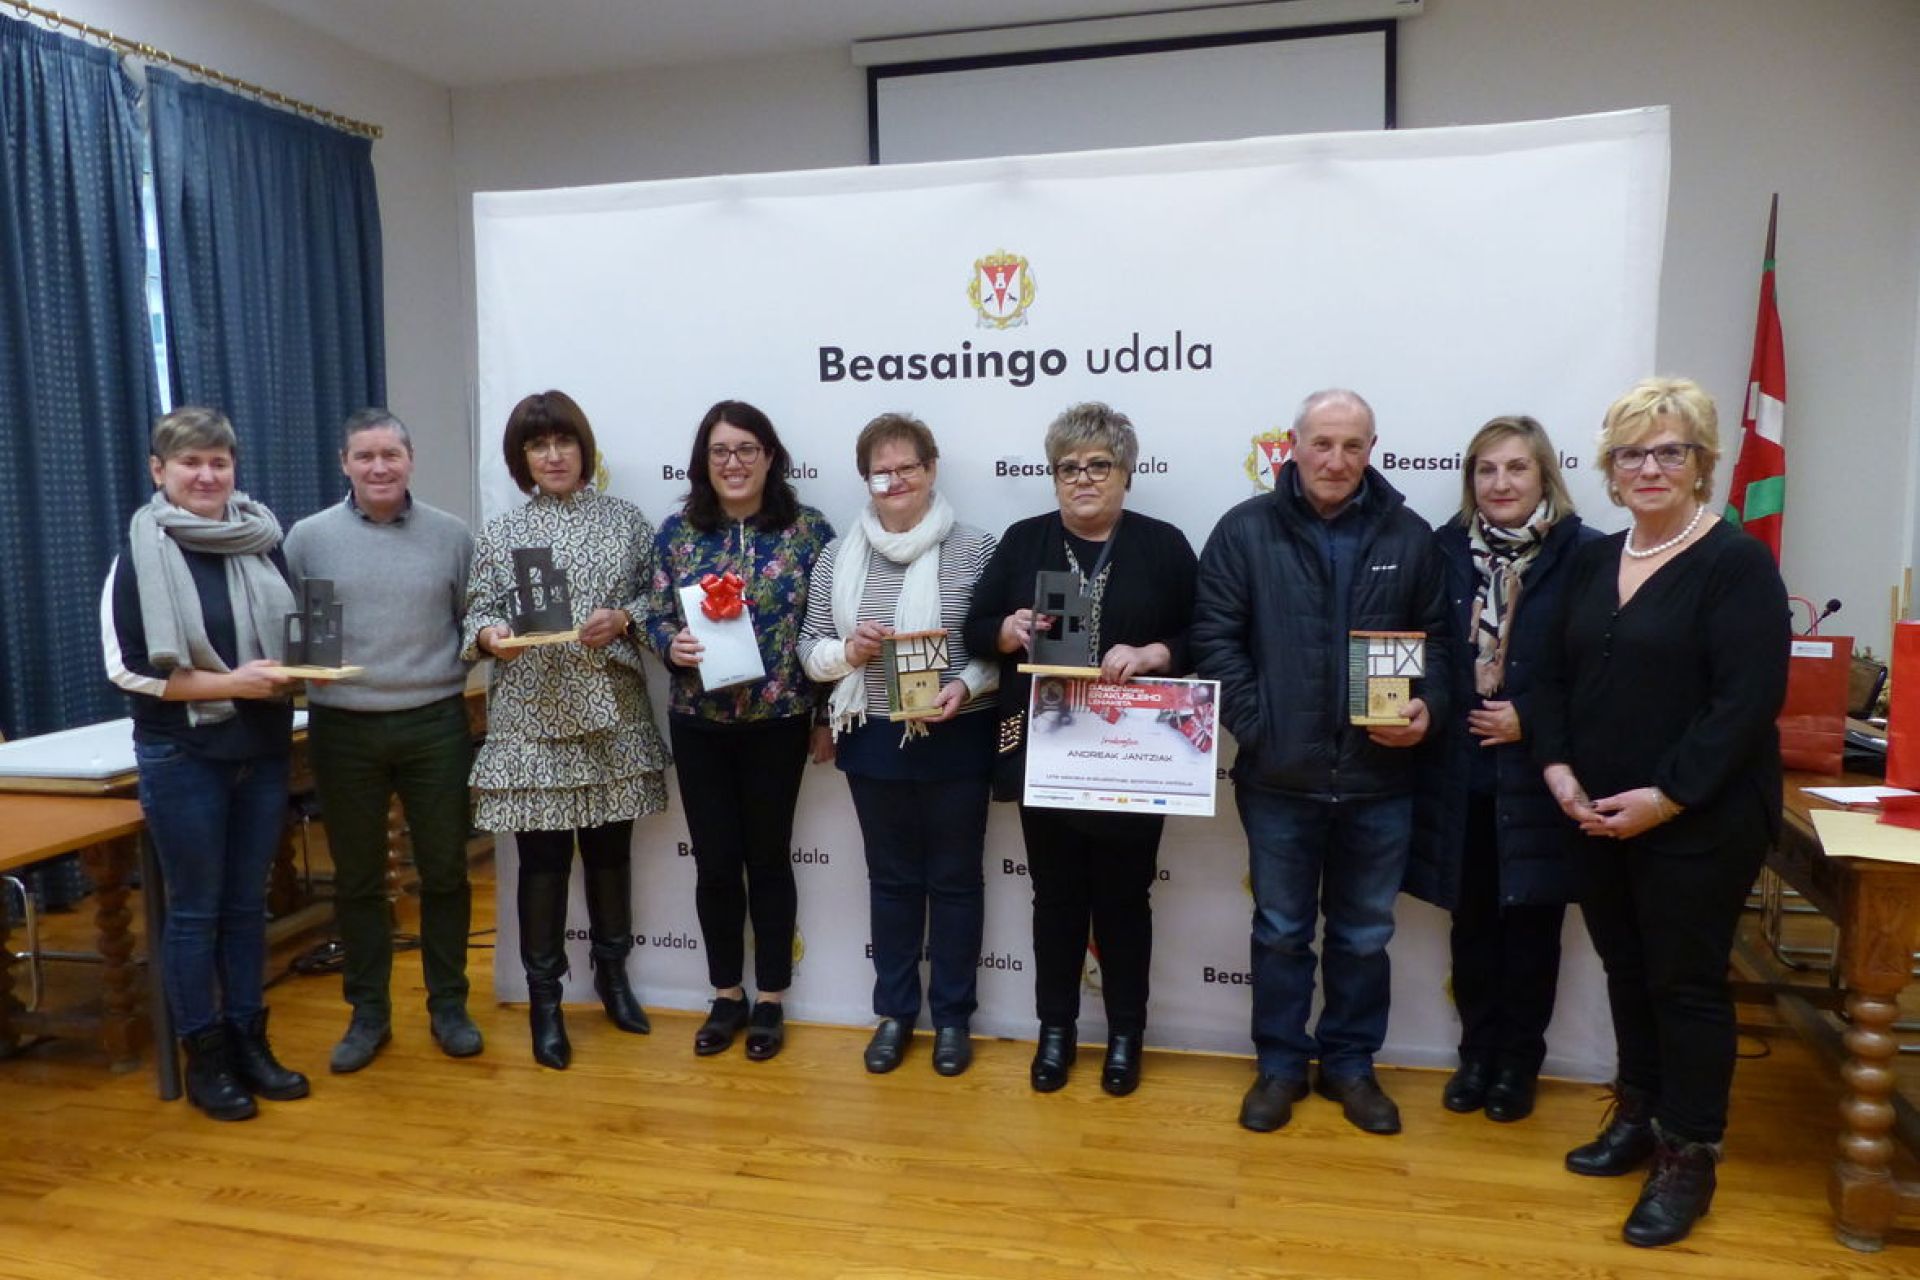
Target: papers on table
{"points": [[1861, 835], [732, 653], [1855, 797]]}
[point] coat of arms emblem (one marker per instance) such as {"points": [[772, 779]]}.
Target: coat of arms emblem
{"points": [[1001, 290]]}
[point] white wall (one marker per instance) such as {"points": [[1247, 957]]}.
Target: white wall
{"points": [[1816, 99], [413, 164]]}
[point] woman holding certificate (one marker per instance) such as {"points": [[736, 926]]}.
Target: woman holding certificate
{"points": [[1665, 670], [909, 713], [1492, 846], [571, 755], [1137, 575], [730, 579]]}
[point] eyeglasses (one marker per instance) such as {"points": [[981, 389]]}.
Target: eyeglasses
{"points": [[1670, 457], [907, 473], [720, 455], [1070, 472], [554, 446]]}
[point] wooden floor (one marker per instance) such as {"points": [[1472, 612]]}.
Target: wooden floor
{"points": [[645, 1161]]}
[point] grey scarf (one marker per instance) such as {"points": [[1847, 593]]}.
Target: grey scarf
{"points": [[170, 607]]}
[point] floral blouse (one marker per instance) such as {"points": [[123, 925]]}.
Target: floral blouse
{"points": [[776, 566]]}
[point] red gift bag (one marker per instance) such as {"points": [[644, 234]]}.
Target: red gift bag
{"points": [[1813, 719], [1903, 708]]}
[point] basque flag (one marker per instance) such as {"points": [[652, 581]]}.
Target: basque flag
{"points": [[1758, 495]]}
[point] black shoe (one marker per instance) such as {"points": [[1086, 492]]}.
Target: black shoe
{"points": [[1053, 1053], [366, 1036], [1678, 1193], [547, 1024], [1466, 1090], [211, 1084], [616, 993], [726, 1018], [889, 1045], [952, 1050], [766, 1030], [1626, 1138], [1120, 1074], [1363, 1102], [256, 1067], [454, 1032], [1269, 1103], [1510, 1096]]}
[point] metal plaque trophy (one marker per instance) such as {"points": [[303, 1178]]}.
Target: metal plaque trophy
{"points": [[1381, 669], [913, 663], [315, 635], [541, 606]]}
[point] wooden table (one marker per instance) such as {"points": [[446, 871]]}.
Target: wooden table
{"points": [[105, 832], [1877, 908]]}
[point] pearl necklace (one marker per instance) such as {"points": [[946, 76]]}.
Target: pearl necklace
{"points": [[1699, 509]]}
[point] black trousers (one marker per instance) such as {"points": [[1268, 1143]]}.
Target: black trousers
{"points": [[1091, 871], [1506, 958], [738, 786], [1663, 925]]}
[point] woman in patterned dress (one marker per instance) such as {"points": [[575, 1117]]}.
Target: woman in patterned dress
{"points": [[571, 751], [740, 749]]}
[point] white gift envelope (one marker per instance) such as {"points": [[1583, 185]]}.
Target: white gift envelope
{"points": [[733, 653]]}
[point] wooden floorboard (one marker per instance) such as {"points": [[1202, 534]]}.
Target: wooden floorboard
{"points": [[643, 1161]]}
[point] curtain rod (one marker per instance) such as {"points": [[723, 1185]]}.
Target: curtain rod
{"points": [[152, 54]]}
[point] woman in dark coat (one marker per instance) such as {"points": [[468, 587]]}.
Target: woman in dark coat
{"points": [[1087, 868], [1493, 845]]}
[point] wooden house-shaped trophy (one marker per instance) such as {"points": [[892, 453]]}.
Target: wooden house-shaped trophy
{"points": [[542, 606], [914, 661], [1060, 650], [315, 644], [1381, 669]]}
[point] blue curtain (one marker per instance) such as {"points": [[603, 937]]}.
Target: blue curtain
{"points": [[77, 383], [270, 260]]}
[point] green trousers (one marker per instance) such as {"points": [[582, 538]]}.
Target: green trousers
{"points": [[361, 759]]}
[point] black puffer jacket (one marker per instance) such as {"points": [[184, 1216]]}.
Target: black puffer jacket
{"points": [[1264, 627]]}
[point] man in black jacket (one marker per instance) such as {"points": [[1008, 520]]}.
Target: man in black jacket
{"points": [[1327, 806]]}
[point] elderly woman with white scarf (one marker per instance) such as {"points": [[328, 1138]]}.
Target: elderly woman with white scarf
{"points": [[920, 788], [192, 621]]}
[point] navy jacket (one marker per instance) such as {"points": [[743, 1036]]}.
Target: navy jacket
{"points": [[1533, 835], [1264, 625]]}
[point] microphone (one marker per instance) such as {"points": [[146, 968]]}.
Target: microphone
{"points": [[1833, 607]]}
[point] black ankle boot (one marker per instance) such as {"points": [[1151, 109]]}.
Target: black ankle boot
{"points": [[1052, 1055], [1120, 1074], [543, 953], [551, 1047], [610, 926], [1626, 1137], [255, 1065], [1678, 1193], [211, 1083]]}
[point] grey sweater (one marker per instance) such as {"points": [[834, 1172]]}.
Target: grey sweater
{"points": [[403, 587]]}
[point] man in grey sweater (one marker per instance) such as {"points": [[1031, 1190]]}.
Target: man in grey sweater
{"points": [[399, 569]]}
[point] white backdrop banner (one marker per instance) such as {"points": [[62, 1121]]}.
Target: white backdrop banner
{"points": [[1448, 275]]}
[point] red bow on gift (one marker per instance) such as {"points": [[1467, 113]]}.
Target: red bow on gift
{"points": [[723, 601]]}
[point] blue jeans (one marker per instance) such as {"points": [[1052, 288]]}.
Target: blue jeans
{"points": [[1346, 858], [924, 843], [215, 826]]}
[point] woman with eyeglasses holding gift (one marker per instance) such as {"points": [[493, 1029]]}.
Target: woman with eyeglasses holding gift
{"points": [[747, 546], [1088, 869], [1664, 673], [919, 787], [572, 755]]}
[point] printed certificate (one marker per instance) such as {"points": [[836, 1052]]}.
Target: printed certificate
{"points": [[1148, 746]]}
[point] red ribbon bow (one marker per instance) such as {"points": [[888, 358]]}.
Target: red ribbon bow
{"points": [[723, 602]]}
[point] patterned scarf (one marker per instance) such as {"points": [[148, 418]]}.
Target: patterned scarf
{"points": [[1500, 559]]}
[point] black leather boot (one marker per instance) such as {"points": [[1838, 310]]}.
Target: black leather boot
{"points": [[1053, 1053], [1678, 1192], [211, 1084], [1626, 1137], [543, 954], [1120, 1074], [255, 1065], [610, 928]]}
